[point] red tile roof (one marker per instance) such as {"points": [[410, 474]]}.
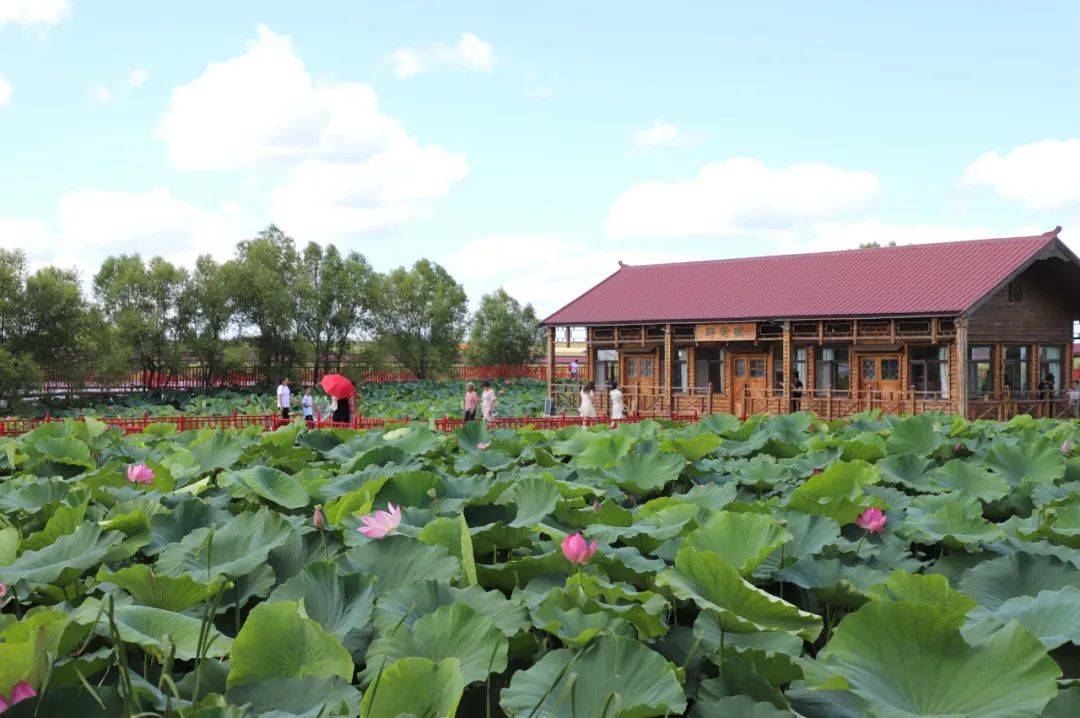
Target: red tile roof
{"points": [[944, 278]]}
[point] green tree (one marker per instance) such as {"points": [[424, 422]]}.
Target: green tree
{"points": [[421, 317], [142, 300], [57, 331], [19, 374], [12, 277], [335, 297], [208, 310], [504, 332], [263, 276]]}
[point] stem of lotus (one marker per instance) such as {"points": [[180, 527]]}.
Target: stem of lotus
{"points": [[690, 653]]}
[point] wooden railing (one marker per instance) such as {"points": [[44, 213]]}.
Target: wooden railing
{"points": [[1005, 405], [637, 401], [829, 404]]}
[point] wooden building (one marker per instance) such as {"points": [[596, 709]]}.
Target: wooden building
{"points": [[982, 327]]}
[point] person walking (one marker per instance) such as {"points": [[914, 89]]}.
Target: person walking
{"points": [[618, 411], [573, 369], [307, 407], [796, 392], [587, 410], [342, 413], [284, 398], [488, 401], [472, 399]]}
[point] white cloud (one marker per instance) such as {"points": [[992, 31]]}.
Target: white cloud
{"points": [[5, 91], [33, 12], [32, 236], [660, 134], [739, 195], [1042, 175], [100, 94], [138, 77], [349, 169], [830, 236], [470, 52]]}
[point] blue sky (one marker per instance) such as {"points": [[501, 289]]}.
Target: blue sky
{"points": [[532, 145]]}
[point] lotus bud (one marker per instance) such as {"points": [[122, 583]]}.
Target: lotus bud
{"points": [[576, 550], [318, 518]]}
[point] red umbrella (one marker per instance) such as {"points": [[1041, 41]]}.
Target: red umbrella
{"points": [[338, 386]]}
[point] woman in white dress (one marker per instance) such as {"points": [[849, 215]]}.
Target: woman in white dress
{"points": [[618, 411], [587, 410]]}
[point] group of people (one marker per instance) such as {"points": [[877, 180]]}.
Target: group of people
{"points": [[486, 400], [336, 410], [587, 408]]}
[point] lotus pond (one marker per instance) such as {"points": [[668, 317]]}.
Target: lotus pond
{"points": [[885, 567]]}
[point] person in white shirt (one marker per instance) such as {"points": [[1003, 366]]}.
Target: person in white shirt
{"points": [[307, 406], [587, 410], [284, 397], [1072, 397], [487, 401], [617, 409], [573, 369]]}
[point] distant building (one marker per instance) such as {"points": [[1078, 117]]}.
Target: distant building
{"points": [[970, 327]]}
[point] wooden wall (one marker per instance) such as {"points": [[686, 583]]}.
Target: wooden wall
{"points": [[1044, 315]]}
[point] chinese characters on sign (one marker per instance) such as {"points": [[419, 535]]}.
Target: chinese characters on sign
{"points": [[744, 332]]}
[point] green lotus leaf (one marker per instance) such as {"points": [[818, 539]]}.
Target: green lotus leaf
{"points": [[1052, 616], [277, 641], [409, 488], [594, 450], [742, 706], [956, 522], [415, 687], [916, 435], [397, 561], [644, 473], [341, 604], [743, 540], [271, 484], [31, 495], [715, 585], [187, 515], [1061, 524], [761, 472], [773, 654], [969, 479], [9, 544], [930, 670], [838, 492], [930, 589], [691, 448], [149, 589], [824, 703], [235, 549], [865, 445], [1065, 705], [810, 534], [611, 671], [454, 631], [63, 522], [215, 450], [910, 470], [739, 677], [356, 501], [708, 496], [161, 632], [67, 557], [833, 581], [992, 583], [575, 619], [405, 605], [534, 498], [1029, 463], [298, 698]]}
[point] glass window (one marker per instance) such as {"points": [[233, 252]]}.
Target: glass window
{"points": [[757, 368], [1016, 369], [1050, 367], [646, 367], [606, 367], [631, 368], [869, 369], [930, 372], [680, 375], [798, 368], [740, 368], [709, 369], [832, 370], [980, 377], [890, 370]]}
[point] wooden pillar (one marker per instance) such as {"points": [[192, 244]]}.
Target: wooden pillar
{"points": [[590, 356], [997, 361], [786, 355], [551, 361], [1067, 369], [669, 342], [960, 398], [1033, 368], [811, 372]]}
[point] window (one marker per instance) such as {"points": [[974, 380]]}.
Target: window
{"points": [[798, 366], [1016, 291], [1050, 366], [890, 369], [930, 372], [680, 379], [757, 368], [646, 367], [832, 370], [740, 368], [607, 361], [1016, 369], [980, 377], [869, 370], [709, 369]]}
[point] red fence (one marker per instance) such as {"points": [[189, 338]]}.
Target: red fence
{"points": [[193, 378], [267, 422]]}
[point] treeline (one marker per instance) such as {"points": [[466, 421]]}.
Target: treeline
{"points": [[273, 305]]}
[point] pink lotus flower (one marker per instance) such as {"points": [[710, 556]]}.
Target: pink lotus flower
{"points": [[140, 474], [3, 590], [873, 520], [19, 693], [381, 523], [1065, 448], [483, 445], [576, 550], [318, 518]]}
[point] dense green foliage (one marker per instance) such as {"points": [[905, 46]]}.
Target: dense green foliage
{"points": [[730, 576], [504, 332]]}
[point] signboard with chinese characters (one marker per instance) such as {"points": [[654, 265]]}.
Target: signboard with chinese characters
{"points": [[744, 332]]}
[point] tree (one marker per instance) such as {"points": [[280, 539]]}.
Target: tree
{"points": [[208, 309], [421, 317], [143, 301], [875, 245], [12, 277], [335, 298], [56, 323], [260, 277], [503, 332]]}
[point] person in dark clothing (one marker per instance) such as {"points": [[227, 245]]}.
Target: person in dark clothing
{"points": [[796, 392], [342, 414]]}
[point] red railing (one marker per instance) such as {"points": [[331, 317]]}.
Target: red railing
{"points": [[138, 425]]}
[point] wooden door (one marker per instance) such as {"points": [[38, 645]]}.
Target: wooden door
{"points": [[879, 374], [639, 381], [749, 382]]}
